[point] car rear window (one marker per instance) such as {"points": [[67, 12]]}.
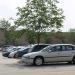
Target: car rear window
{"points": [[38, 48]]}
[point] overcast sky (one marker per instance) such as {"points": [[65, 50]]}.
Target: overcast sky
{"points": [[8, 9]]}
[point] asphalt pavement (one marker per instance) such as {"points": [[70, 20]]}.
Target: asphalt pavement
{"points": [[13, 67]]}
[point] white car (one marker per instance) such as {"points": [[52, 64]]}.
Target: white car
{"points": [[11, 55], [8, 50], [52, 53]]}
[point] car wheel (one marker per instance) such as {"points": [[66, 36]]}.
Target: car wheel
{"points": [[69, 62], [16, 56], [74, 60], [38, 61]]}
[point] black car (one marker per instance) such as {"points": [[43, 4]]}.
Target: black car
{"points": [[21, 53]]}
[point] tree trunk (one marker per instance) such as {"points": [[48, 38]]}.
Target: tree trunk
{"points": [[38, 38]]}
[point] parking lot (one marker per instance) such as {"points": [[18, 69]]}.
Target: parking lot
{"points": [[12, 67]]}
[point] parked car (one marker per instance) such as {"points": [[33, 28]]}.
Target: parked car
{"points": [[11, 55], [5, 47], [18, 53], [8, 50], [21, 52], [52, 53]]}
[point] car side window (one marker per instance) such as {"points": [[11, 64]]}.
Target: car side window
{"points": [[68, 48], [74, 47], [47, 49], [63, 48], [56, 48]]}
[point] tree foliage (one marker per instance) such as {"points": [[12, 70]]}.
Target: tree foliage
{"points": [[40, 15], [5, 24]]}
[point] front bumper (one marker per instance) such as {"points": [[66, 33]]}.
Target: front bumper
{"points": [[27, 61], [6, 54], [11, 55]]}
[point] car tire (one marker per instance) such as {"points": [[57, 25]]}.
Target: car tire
{"points": [[16, 56], [73, 60], [70, 62], [38, 61]]}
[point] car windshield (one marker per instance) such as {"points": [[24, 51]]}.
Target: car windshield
{"points": [[26, 50], [21, 49], [15, 49], [46, 48], [10, 48]]}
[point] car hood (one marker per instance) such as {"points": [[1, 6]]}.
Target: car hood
{"points": [[32, 54], [13, 52]]}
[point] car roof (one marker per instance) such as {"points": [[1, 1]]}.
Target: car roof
{"points": [[40, 44], [60, 44]]}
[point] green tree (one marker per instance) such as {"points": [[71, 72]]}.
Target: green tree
{"points": [[72, 37], [40, 15], [14, 35], [5, 24], [30, 36]]}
